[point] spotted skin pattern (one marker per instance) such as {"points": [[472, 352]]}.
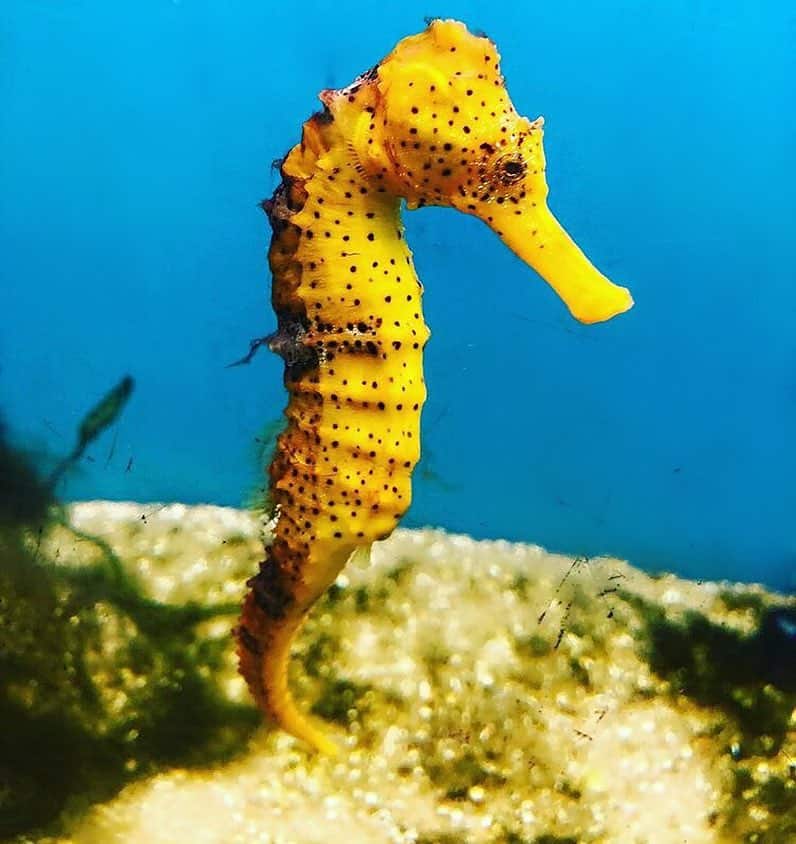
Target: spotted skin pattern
{"points": [[432, 124]]}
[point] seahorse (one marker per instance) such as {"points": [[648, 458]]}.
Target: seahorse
{"points": [[431, 124]]}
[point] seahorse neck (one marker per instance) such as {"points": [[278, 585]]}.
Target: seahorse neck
{"points": [[351, 227], [338, 255]]}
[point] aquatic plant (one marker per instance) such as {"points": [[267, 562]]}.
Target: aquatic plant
{"points": [[100, 417], [431, 124], [99, 683]]}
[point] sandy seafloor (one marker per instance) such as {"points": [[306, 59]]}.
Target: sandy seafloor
{"points": [[483, 691]]}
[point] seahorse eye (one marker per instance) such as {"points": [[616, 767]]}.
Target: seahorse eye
{"points": [[512, 171]]}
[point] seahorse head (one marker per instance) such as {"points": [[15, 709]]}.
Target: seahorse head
{"points": [[440, 129]]}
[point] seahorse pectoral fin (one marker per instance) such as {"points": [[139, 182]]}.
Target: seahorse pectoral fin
{"points": [[536, 236], [360, 558]]}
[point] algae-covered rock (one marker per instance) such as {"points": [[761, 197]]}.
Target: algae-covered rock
{"points": [[482, 691], [100, 683]]}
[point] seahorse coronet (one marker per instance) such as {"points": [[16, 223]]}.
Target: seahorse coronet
{"points": [[431, 124]]}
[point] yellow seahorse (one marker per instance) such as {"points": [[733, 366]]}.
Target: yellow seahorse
{"points": [[432, 124]]}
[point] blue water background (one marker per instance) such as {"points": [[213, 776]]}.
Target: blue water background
{"points": [[136, 140]]}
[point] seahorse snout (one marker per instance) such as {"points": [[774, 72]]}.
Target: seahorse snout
{"points": [[504, 184], [534, 234]]}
